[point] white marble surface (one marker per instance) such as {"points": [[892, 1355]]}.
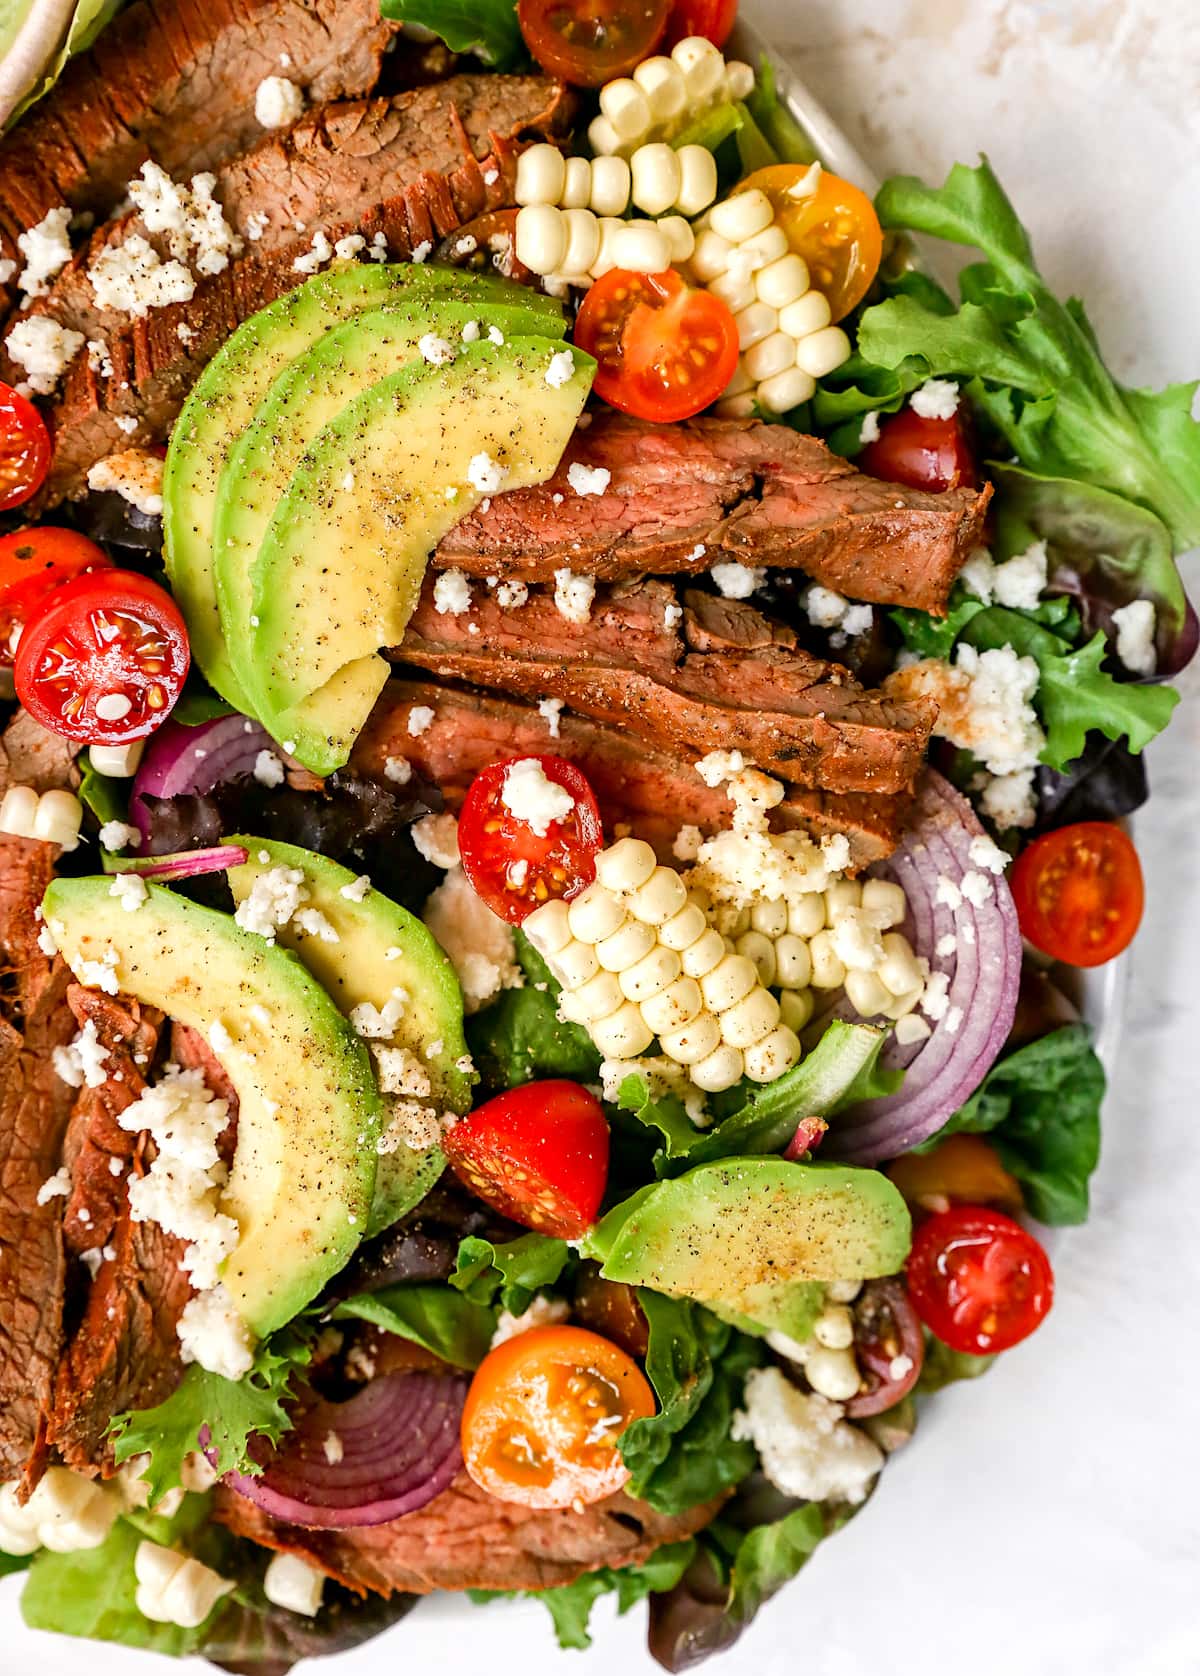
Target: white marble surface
{"points": [[1044, 1521]]}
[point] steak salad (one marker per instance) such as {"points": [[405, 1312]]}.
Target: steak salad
{"points": [[568, 718]]}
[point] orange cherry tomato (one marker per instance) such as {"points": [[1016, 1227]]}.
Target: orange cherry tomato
{"points": [[1079, 893], [589, 42], [664, 351], [544, 1414], [834, 228], [32, 564], [24, 449], [961, 1169]]}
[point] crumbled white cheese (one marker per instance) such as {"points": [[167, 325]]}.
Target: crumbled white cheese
{"points": [[987, 854], [936, 399], [664, 1078], [257, 223], [529, 795], [436, 838], [212, 1333], [346, 249], [935, 1002], [737, 581], [672, 616], [46, 249], [315, 258], [125, 422], [278, 102], [485, 474], [588, 480], [8, 268], [1009, 800], [495, 335], [470, 332], [43, 350], [550, 710], [358, 890], [561, 369], [99, 359], [573, 596], [823, 607], [269, 769], [1135, 624], [81, 1062], [401, 1072], [193, 221], [976, 888], [314, 924], [1018, 584], [57, 1186], [420, 719], [857, 942], [868, 431], [747, 863], [130, 890], [132, 278], [477, 942], [398, 770], [102, 973], [410, 1124], [807, 1449], [274, 897], [116, 835], [984, 704], [134, 475], [451, 594], [947, 893], [719, 766], [438, 351], [541, 1312], [858, 619], [377, 1024], [686, 846]]}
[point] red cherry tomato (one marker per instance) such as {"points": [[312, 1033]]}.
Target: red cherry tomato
{"points": [[978, 1280], [714, 19], [932, 454], [664, 351], [32, 564], [538, 1154], [513, 867], [1079, 893], [589, 42], [24, 449], [104, 660], [888, 1345]]}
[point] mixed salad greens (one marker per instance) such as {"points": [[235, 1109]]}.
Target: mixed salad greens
{"points": [[702, 1244]]}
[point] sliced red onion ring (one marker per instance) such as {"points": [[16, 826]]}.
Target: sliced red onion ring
{"points": [[195, 759], [184, 864], [984, 973], [387, 1451]]}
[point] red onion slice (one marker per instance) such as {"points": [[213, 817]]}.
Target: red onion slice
{"points": [[386, 1452], [983, 971], [184, 864], [195, 759]]}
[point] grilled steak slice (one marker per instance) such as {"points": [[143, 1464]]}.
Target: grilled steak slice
{"points": [[465, 1539], [686, 497], [796, 716], [650, 792], [448, 184], [337, 163], [34, 1108], [124, 1352], [175, 80]]}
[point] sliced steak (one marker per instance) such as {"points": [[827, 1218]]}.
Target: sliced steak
{"points": [[175, 80], [454, 174], [687, 497], [30, 755], [124, 1352], [337, 164], [466, 1539], [649, 792], [34, 1108], [635, 665]]}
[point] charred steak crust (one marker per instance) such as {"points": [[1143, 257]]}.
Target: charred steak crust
{"points": [[685, 497], [454, 149], [175, 80], [686, 688], [465, 1539]]}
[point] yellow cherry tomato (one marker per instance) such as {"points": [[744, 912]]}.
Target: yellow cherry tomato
{"points": [[834, 228]]}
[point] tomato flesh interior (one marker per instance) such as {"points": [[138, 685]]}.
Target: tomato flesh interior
{"points": [[589, 42], [1079, 893], [978, 1280], [664, 351], [513, 867], [922, 453], [25, 450]]}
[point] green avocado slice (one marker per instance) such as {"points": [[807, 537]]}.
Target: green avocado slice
{"points": [[380, 948], [341, 566], [309, 1116]]}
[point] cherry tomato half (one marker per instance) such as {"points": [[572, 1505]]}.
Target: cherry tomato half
{"points": [[665, 352], [834, 227], [537, 1154], [714, 19], [932, 454], [889, 1347], [962, 1168], [1079, 893], [24, 449], [32, 564], [978, 1280], [589, 42], [544, 1413], [104, 660], [513, 867]]}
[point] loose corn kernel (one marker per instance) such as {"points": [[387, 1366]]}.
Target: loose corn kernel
{"points": [[761, 950], [18, 810], [678, 1005], [866, 994], [884, 902], [700, 957], [660, 898], [595, 914], [899, 1006], [739, 218], [793, 963], [626, 865], [832, 1373], [898, 969], [719, 1070], [827, 970], [834, 1327], [694, 1042], [750, 1020], [796, 1008], [627, 945], [117, 762], [683, 928], [773, 1055], [623, 1035], [651, 975], [541, 175], [733, 977]]}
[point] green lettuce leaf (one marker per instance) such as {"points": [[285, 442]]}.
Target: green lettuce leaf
{"points": [[108, 799], [510, 1273], [1040, 1108], [488, 28], [1031, 362], [520, 1038], [442, 1320], [570, 1606], [234, 1411], [684, 1455]]}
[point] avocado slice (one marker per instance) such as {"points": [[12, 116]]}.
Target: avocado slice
{"points": [[339, 570], [309, 394], [309, 1115], [754, 1237], [223, 402], [364, 965]]}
